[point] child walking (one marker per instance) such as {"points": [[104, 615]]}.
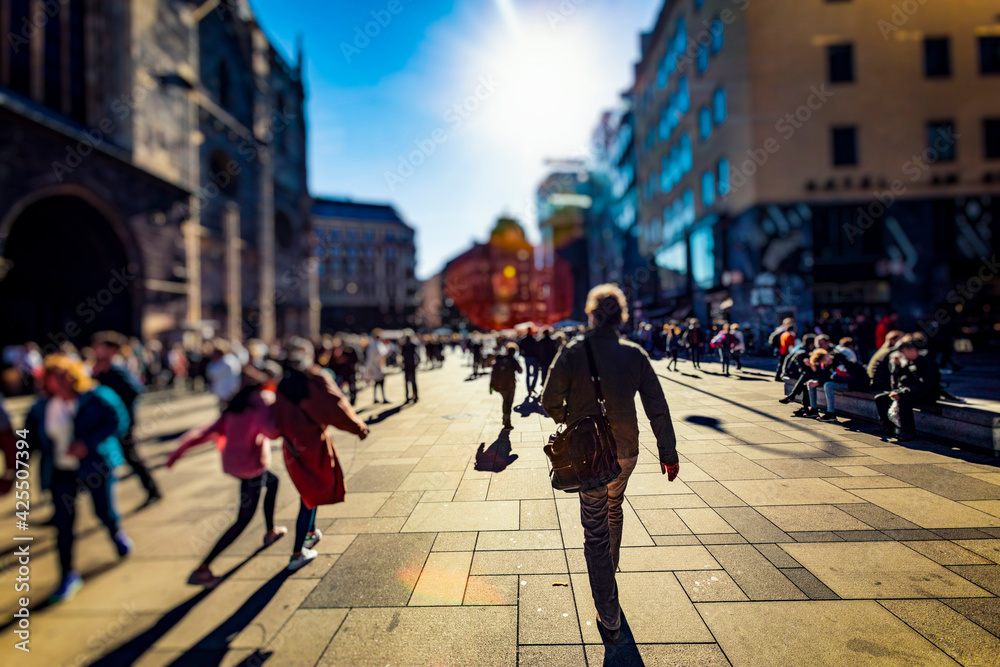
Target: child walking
{"points": [[240, 435]]}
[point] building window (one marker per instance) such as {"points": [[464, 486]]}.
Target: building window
{"points": [[991, 138], [723, 177], [661, 73], [840, 61], [702, 58], [845, 146], [937, 57], [704, 123], [687, 156], [941, 140], [284, 232], [223, 172], [717, 31], [683, 95], [698, 4], [989, 55], [225, 93], [708, 188], [719, 106]]}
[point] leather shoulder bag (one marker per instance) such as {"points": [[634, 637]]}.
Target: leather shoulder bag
{"points": [[584, 454]]}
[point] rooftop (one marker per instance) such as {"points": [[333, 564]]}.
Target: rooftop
{"points": [[350, 210]]}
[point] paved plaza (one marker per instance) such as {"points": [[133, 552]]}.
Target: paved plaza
{"points": [[783, 542]]}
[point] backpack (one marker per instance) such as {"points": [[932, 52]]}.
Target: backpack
{"points": [[502, 378]]}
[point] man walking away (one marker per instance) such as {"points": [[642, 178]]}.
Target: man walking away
{"points": [[116, 378], [624, 369], [547, 348], [411, 359], [504, 380], [529, 352]]}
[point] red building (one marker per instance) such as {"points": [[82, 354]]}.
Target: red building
{"points": [[497, 285]]}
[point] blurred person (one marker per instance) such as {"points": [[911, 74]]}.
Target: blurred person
{"points": [[785, 344], [878, 366], [177, 361], [815, 372], [117, 378], [307, 403], [8, 447], [846, 374], [569, 395], [694, 339], [915, 381], [503, 379], [528, 346], [344, 364], [546, 350], [411, 359], [224, 372], [673, 347], [375, 351], [241, 435], [724, 343], [739, 346], [77, 426], [885, 325], [796, 368]]}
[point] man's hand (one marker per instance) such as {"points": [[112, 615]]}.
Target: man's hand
{"points": [[670, 470], [364, 431]]}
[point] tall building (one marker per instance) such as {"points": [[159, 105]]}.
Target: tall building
{"points": [[152, 172], [367, 263], [497, 285], [565, 218], [812, 157]]}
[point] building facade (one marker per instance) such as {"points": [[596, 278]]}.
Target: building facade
{"points": [[137, 193], [367, 264], [811, 158]]}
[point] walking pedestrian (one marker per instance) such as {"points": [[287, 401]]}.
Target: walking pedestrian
{"points": [[673, 347], [375, 351], [569, 395], [77, 427], [528, 345], [307, 403], [694, 339], [411, 359], [118, 379], [547, 348], [240, 434], [503, 380], [739, 345]]}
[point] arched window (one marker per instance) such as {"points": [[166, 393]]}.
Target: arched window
{"points": [[717, 30], [708, 188], [719, 106], [723, 177], [704, 123]]}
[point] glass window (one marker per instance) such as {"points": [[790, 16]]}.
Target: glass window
{"points": [[991, 138], [845, 146], [702, 58], [723, 177], [664, 124], [937, 57], [989, 55], [708, 188], [840, 63], [703, 256], [683, 94], [681, 39], [698, 4], [661, 73], [687, 157], [717, 30], [704, 123], [719, 106], [941, 140], [689, 215]]}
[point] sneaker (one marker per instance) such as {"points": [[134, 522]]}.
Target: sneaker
{"points": [[123, 544], [312, 539], [204, 577], [273, 535], [785, 401], [609, 636], [68, 588], [296, 562], [828, 417]]}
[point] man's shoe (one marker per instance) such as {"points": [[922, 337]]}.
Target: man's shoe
{"points": [[801, 412], [786, 400], [906, 437], [204, 577], [68, 588], [828, 417], [613, 637], [885, 430]]}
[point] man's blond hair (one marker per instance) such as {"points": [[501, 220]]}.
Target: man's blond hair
{"points": [[607, 304]]}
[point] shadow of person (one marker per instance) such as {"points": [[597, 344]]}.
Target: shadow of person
{"points": [[625, 653], [529, 406], [497, 457], [385, 414]]}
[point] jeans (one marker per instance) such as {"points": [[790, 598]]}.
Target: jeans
{"points": [[304, 524], [602, 518], [831, 398], [725, 356], [250, 490], [411, 383], [64, 488], [907, 401]]}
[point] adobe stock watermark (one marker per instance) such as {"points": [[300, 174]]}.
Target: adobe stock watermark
{"points": [[900, 16], [915, 168], [786, 126], [363, 35], [455, 116]]}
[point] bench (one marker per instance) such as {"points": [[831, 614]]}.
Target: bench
{"points": [[965, 424]]}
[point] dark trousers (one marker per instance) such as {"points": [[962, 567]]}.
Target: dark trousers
{"points": [[530, 373], [250, 490], [64, 487], [739, 362], [781, 363], [132, 458], [508, 405], [411, 382], [376, 385], [907, 402], [602, 518], [725, 356], [695, 351], [304, 524], [673, 359], [543, 370], [801, 387]]}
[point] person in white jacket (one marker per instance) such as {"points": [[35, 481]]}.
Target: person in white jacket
{"points": [[375, 351], [741, 345]]}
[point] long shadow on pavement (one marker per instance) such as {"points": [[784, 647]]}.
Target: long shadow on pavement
{"points": [[624, 654], [497, 457], [529, 407], [385, 414]]}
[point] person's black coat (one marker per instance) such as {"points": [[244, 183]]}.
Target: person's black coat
{"points": [[920, 378]]}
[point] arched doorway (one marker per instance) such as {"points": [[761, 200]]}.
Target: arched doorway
{"points": [[66, 275]]}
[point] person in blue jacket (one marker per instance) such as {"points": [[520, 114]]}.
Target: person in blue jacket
{"points": [[77, 428]]}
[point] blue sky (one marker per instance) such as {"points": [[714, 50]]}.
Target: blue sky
{"points": [[448, 108]]}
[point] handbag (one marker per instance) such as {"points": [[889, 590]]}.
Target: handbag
{"points": [[584, 455]]}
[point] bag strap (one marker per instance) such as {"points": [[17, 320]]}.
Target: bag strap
{"points": [[595, 377]]}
